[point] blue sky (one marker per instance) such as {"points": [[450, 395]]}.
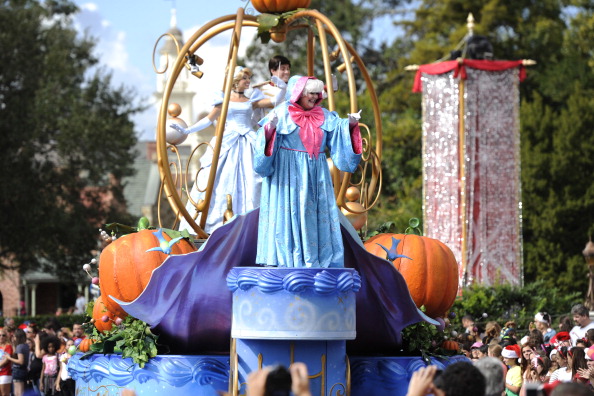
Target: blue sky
{"points": [[127, 31]]}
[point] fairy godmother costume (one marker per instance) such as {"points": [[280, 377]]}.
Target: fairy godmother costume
{"points": [[299, 224]]}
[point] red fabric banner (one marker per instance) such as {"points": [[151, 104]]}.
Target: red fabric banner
{"points": [[459, 67]]}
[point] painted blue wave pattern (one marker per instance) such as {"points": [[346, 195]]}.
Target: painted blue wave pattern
{"points": [[174, 371], [389, 373], [295, 281]]}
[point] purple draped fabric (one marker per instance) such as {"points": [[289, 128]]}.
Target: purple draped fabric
{"points": [[188, 304]]}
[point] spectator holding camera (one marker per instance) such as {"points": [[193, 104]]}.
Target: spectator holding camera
{"points": [[279, 381], [458, 379]]}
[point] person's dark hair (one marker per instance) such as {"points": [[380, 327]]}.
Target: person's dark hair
{"points": [[535, 338], [276, 61], [580, 309], [50, 340], [562, 352], [52, 324], [461, 379], [33, 328], [565, 324], [571, 389], [492, 370], [465, 341], [590, 337], [484, 349], [278, 382], [578, 360], [20, 336], [545, 362]]}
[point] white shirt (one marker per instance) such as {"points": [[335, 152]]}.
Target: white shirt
{"points": [[79, 305], [580, 332], [561, 374]]}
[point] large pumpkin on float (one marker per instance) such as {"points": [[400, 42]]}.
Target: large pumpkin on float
{"points": [[99, 311], [279, 6], [431, 273], [125, 266]]}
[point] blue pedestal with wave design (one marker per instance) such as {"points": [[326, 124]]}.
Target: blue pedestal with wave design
{"points": [[293, 303], [163, 375], [285, 315], [208, 375]]}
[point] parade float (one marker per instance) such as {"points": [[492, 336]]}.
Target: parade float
{"points": [[202, 299]]}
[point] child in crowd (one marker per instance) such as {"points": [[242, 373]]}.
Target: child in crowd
{"points": [[49, 368], [495, 351], [513, 379]]}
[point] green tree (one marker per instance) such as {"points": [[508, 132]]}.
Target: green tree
{"points": [[67, 136], [503, 303]]}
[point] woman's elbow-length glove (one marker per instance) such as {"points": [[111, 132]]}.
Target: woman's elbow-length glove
{"points": [[200, 125], [280, 95]]}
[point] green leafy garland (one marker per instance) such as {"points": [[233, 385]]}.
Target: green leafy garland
{"points": [[131, 337]]}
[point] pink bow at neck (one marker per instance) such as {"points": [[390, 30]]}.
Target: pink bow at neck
{"points": [[309, 122]]}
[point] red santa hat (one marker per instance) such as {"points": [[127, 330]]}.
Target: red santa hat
{"points": [[511, 352], [559, 337]]}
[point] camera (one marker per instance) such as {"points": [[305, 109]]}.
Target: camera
{"points": [[278, 382]]}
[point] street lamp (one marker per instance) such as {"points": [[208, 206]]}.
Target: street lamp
{"points": [[588, 253]]}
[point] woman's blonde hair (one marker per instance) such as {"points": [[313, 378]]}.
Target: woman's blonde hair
{"points": [[239, 72]]}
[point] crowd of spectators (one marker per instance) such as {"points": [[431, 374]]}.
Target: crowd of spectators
{"points": [[33, 360], [543, 360]]}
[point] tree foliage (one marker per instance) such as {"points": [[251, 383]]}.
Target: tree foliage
{"points": [[503, 302], [66, 134]]}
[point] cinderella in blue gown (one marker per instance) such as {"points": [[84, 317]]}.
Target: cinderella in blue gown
{"points": [[234, 174], [299, 224]]}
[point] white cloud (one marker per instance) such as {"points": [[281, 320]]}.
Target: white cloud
{"points": [[114, 54], [89, 7]]}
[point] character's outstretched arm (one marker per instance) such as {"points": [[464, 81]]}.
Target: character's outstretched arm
{"points": [[201, 124]]}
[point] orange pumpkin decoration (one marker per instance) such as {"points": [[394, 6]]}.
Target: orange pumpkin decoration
{"points": [[125, 266], [431, 273], [450, 345], [279, 6], [85, 345], [99, 311]]}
